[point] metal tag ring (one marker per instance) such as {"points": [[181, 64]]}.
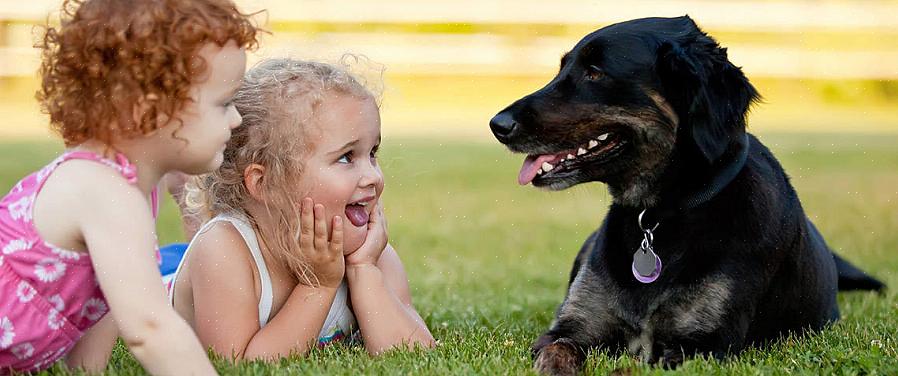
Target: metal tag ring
{"points": [[643, 227]]}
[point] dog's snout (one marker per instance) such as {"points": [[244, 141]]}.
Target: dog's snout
{"points": [[504, 126]]}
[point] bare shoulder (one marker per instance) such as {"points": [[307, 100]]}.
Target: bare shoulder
{"points": [[220, 250], [83, 195]]}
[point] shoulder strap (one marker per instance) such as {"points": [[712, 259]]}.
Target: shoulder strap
{"points": [[120, 164], [252, 242], [249, 236]]}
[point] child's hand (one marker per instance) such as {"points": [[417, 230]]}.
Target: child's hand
{"points": [[325, 257], [375, 241]]}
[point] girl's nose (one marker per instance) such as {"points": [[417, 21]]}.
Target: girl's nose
{"points": [[236, 118], [371, 176]]}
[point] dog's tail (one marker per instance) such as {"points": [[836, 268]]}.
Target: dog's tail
{"points": [[852, 278]]}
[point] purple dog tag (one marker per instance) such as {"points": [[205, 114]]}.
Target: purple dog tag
{"points": [[646, 265]]}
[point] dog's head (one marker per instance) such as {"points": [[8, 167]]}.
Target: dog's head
{"points": [[627, 99]]}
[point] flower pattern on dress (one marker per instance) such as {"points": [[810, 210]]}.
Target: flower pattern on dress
{"points": [[23, 350], [18, 188], [50, 357], [7, 332], [44, 172], [93, 309], [45, 270], [64, 254], [21, 209], [49, 269], [56, 320], [25, 292], [16, 245]]}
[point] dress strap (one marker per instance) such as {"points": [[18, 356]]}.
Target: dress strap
{"points": [[252, 242], [120, 164]]}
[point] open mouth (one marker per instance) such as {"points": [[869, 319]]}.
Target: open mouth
{"points": [[595, 151], [357, 212]]}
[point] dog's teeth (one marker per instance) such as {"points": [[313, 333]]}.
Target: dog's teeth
{"points": [[547, 166], [562, 160], [593, 143], [540, 171], [603, 137], [581, 151], [570, 156]]}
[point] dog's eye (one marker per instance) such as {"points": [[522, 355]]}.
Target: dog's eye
{"points": [[594, 73]]}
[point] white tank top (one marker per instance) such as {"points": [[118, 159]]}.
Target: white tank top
{"points": [[340, 321]]}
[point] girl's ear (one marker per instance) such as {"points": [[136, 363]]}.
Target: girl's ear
{"points": [[253, 178]]}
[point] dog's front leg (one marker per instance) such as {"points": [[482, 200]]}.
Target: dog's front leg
{"points": [[583, 322]]}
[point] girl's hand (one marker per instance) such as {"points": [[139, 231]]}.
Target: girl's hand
{"points": [[325, 257], [375, 241]]}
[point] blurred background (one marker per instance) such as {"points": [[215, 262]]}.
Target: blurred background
{"points": [[488, 261], [822, 66]]}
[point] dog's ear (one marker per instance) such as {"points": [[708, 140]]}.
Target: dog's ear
{"points": [[710, 95]]}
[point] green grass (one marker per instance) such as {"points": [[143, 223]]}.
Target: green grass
{"points": [[488, 260]]}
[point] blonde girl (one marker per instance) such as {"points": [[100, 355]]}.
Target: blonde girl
{"points": [[295, 252]]}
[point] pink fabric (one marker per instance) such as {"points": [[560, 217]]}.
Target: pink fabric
{"points": [[48, 296]]}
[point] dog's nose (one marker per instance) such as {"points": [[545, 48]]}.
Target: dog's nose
{"points": [[503, 126]]}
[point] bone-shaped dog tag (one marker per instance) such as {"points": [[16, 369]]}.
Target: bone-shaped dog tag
{"points": [[646, 265]]}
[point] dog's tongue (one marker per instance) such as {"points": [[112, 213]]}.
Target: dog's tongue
{"points": [[357, 215], [531, 165]]}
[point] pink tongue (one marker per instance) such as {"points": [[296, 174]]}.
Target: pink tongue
{"points": [[531, 165], [357, 215]]}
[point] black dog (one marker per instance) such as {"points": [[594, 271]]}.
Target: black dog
{"points": [[706, 248]]}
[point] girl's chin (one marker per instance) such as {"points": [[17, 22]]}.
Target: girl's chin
{"points": [[353, 238]]}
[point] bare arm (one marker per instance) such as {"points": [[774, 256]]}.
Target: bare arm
{"points": [[378, 288], [118, 229], [92, 351], [226, 306]]}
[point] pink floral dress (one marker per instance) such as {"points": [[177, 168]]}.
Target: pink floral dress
{"points": [[49, 296]]}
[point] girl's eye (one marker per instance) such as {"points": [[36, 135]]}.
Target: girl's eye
{"points": [[374, 152], [345, 158]]}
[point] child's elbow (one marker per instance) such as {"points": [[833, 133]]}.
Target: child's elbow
{"points": [[150, 334]]}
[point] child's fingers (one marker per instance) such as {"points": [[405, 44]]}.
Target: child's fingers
{"points": [[320, 229], [336, 246], [378, 220], [306, 225]]}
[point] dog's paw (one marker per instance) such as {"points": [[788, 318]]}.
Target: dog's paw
{"points": [[543, 341], [671, 359], [560, 357]]}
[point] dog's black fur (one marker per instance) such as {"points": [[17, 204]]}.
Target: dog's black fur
{"points": [[740, 268]]}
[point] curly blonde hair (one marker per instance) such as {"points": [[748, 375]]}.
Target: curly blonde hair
{"points": [[109, 56], [277, 100]]}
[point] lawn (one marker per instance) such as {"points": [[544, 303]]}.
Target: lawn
{"points": [[488, 260]]}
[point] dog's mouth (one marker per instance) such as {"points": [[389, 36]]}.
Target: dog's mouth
{"points": [[540, 168]]}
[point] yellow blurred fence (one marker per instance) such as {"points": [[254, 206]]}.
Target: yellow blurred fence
{"points": [[794, 39], [457, 61]]}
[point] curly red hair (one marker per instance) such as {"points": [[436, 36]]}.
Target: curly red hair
{"points": [[114, 66]]}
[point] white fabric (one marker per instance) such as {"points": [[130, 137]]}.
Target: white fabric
{"points": [[340, 318]]}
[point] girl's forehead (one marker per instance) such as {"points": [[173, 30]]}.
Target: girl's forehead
{"points": [[344, 118]]}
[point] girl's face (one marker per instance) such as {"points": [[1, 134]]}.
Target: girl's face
{"points": [[341, 170], [206, 122]]}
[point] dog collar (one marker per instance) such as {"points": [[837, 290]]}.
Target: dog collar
{"points": [[647, 265]]}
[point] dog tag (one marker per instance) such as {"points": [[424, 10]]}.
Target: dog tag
{"points": [[646, 265]]}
